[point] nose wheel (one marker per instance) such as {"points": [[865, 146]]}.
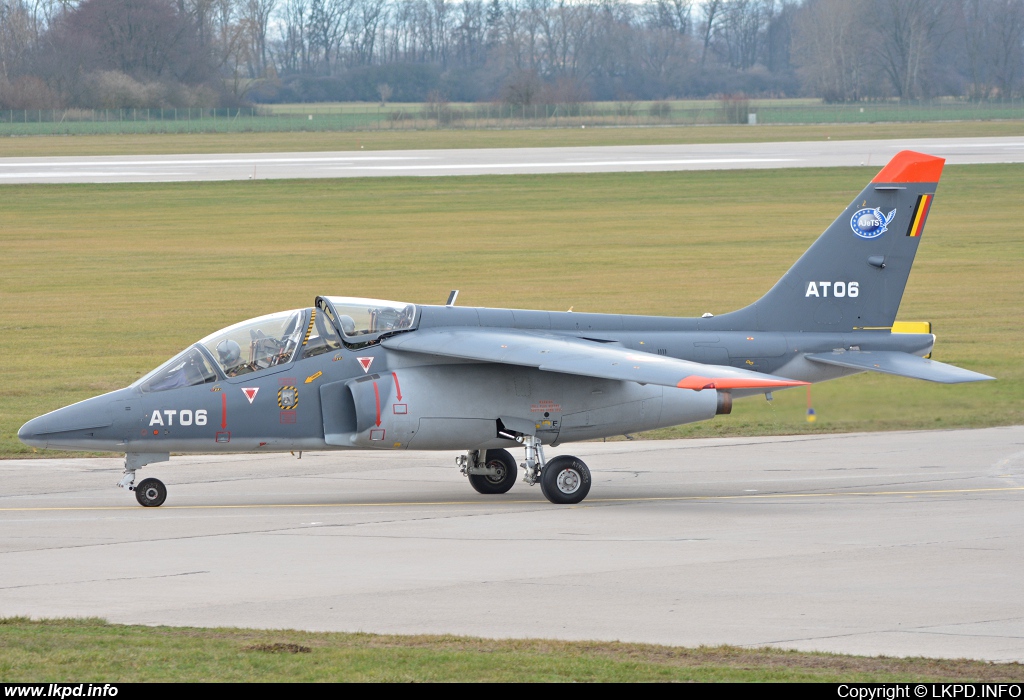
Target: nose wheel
{"points": [[151, 493]]}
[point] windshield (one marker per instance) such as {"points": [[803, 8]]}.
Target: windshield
{"points": [[369, 316], [256, 344], [186, 369]]}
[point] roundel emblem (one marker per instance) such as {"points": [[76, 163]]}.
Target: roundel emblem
{"points": [[871, 223]]}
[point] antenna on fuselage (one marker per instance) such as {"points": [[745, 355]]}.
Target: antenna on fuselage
{"points": [[452, 296]]}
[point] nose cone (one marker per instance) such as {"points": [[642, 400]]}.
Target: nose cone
{"points": [[87, 425], [33, 433]]}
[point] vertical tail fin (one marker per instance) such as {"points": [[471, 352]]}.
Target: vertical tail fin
{"points": [[854, 275]]}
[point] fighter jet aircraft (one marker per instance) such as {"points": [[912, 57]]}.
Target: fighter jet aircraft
{"points": [[354, 373]]}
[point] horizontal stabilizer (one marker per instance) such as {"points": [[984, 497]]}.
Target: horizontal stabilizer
{"points": [[585, 358], [901, 364]]}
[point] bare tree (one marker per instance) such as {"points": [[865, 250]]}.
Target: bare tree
{"points": [[563, 29], [145, 39], [711, 16], [294, 46], [257, 19], [470, 36], [674, 14], [1008, 46], [828, 48], [18, 37], [975, 27], [662, 47], [522, 50], [328, 24], [741, 28], [511, 31], [368, 16], [907, 32]]}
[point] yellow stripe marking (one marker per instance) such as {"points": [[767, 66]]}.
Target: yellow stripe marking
{"points": [[309, 329], [922, 207], [638, 499]]}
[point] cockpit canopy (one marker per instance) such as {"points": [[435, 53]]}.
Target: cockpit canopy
{"points": [[278, 339], [364, 321], [256, 344]]}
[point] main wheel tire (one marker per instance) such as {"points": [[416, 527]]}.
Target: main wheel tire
{"points": [[565, 480], [151, 493], [505, 479]]}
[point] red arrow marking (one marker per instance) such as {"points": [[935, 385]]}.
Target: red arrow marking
{"points": [[398, 387], [376, 396], [223, 411]]}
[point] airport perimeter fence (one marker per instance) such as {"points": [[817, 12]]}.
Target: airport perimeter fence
{"points": [[408, 117]]}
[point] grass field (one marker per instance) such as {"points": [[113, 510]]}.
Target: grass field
{"points": [[94, 651], [494, 115], [103, 282], [135, 144]]}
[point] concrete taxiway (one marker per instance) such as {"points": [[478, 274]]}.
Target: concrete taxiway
{"points": [[893, 543], [499, 161]]}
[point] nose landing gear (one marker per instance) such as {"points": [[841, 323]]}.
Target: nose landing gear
{"points": [[149, 492]]}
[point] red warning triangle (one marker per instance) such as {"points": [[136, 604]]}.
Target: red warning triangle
{"points": [[365, 362], [250, 392]]}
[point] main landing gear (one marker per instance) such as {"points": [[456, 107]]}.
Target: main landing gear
{"points": [[491, 472], [564, 480]]}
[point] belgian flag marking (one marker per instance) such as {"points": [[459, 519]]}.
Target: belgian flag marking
{"points": [[924, 202]]}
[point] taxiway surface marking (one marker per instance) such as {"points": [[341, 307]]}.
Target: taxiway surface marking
{"points": [[507, 502], [903, 543]]}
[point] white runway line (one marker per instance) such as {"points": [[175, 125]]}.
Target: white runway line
{"points": [[500, 161], [611, 165]]}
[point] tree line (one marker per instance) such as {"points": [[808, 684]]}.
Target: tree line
{"points": [[180, 53]]}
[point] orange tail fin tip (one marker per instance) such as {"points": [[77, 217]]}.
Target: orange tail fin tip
{"points": [[911, 166]]}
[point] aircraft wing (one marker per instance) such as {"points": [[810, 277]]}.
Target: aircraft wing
{"points": [[899, 363], [554, 353]]}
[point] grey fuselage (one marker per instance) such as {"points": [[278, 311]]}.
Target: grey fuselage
{"points": [[402, 400]]}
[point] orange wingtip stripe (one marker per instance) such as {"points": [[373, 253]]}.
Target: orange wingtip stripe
{"points": [[910, 166], [697, 383]]}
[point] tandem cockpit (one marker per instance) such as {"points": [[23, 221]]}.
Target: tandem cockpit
{"points": [[281, 338]]}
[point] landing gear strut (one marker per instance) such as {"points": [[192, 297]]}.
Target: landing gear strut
{"points": [[534, 459], [564, 480], [150, 492]]}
